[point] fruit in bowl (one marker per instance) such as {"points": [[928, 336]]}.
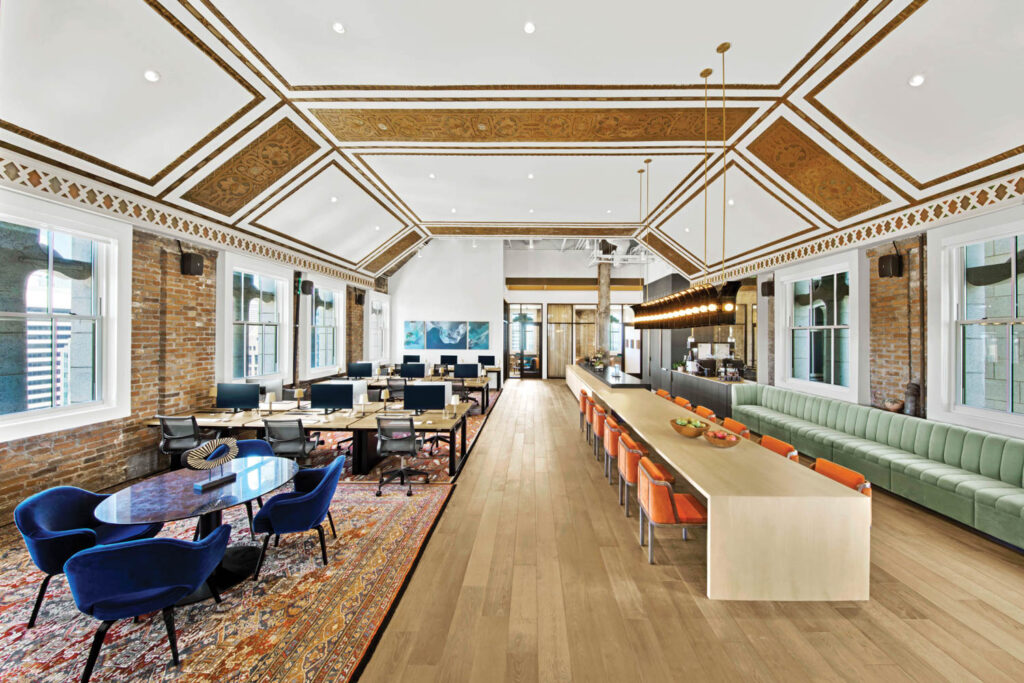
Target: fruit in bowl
{"points": [[696, 424], [688, 427], [721, 439], [723, 435]]}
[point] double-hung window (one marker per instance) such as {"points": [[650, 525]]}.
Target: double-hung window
{"points": [[257, 302], [990, 325], [324, 330], [50, 325], [820, 329]]}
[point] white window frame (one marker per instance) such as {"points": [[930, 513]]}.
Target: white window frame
{"points": [[944, 293], [383, 328], [114, 279], [306, 371], [227, 263], [855, 263]]}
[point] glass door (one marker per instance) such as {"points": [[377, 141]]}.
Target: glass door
{"points": [[524, 340]]}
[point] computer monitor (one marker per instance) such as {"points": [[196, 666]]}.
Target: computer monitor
{"points": [[465, 370], [410, 359], [360, 369], [487, 361], [430, 396], [449, 360], [330, 396], [238, 396], [413, 370]]}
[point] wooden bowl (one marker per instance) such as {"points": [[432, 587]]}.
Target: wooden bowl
{"points": [[721, 443], [688, 431]]}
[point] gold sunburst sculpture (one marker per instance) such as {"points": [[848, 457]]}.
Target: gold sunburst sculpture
{"points": [[196, 458]]}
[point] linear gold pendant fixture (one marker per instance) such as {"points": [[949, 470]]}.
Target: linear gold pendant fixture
{"points": [[722, 49], [705, 74]]}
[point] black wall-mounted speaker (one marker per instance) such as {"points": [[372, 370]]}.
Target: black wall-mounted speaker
{"points": [[890, 265], [360, 298], [768, 288], [306, 287], [191, 264]]}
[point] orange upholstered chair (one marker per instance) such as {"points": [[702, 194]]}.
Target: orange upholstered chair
{"points": [[589, 416], [781, 447], [629, 461], [664, 394], [612, 431], [598, 426], [661, 506], [584, 397], [683, 403], [844, 475], [738, 427], [706, 413]]}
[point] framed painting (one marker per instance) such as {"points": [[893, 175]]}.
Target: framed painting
{"points": [[414, 334], [445, 334], [479, 335]]}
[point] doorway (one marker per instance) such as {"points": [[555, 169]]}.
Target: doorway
{"points": [[525, 332]]}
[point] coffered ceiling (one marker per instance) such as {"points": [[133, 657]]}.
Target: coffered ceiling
{"points": [[349, 132]]}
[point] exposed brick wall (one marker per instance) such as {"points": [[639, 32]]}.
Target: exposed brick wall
{"points": [[173, 357], [354, 317], [888, 346]]}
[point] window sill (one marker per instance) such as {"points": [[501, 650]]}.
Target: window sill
{"points": [[833, 391], [35, 423]]}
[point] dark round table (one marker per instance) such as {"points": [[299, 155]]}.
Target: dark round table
{"points": [[170, 496]]}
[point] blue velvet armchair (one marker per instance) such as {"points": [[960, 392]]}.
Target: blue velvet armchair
{"points": [[303, 509], [130, 579], [58, 522]]}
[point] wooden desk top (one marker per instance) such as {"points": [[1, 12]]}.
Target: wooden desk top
{"points": [[218, 418], [430, 421], [743, 470]]}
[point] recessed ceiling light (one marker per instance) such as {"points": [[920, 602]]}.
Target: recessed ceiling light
{"points": [[529, 176], [338, 27], [431, 176], [608, 211], [453, 209], [151, 76], [531, 210], [419, 253], [334, 200], [732, 202], [529, 27], [916, 81], [686, 230], [376, 227]]}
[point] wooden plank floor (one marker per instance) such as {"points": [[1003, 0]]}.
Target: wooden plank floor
{"points": [[534, 574]]}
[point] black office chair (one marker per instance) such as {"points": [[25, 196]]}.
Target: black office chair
{"points": [[287, 438], [179, 435], [460, 389], [373, 394], [396, 387], [397, 436]]}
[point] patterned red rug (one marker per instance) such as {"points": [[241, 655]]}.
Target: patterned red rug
{"points": [[300, 621]]}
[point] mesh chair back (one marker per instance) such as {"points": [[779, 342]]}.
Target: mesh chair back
{"points": [[396, 435], [285, 436], [396, 386], [179, 433], [373, 394]]}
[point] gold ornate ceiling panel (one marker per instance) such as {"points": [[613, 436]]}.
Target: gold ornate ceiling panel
{"points": [[822, 178], [539, 231], [407, 241], [252, 170], [530, 125]]}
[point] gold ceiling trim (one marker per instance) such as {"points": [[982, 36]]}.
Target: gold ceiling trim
{"points": [[253, 169], [257, 98], [527, 125], [581, 232], [397, 248], [667, 252], [819, 176], [871, 43], [19, 174], [1008, 190]]}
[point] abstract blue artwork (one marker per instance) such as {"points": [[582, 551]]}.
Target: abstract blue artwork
{"points": [[445, 334], [479, 335], [414, 334]]}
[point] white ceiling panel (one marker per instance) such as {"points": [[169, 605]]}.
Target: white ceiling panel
{"points": [[466, 42], [498, 188], [970, 105], [350, 227], [72, 71], [753, 219]]}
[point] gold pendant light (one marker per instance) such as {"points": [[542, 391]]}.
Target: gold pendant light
{"points": [[705, 74], [722, 49], [641, 172]]}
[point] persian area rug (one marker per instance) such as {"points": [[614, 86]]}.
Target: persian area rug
{"points": [[300, 621]]}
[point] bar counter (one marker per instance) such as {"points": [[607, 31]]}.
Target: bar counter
{"points": [[710, 392], [622, 380]]}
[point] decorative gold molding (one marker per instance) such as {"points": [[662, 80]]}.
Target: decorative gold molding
{"points": [[19, 174], [805, 165], [667, 252], [985, 196], [621, 284], [397, 248], [253, 169], [518, 230], [528, 125]]}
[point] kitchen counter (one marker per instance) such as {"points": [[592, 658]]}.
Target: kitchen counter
{"points": [[620, 381], [709, 392]]}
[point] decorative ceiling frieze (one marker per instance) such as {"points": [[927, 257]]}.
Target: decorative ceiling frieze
{"points": [[822, 178], [397, 248], [539, 231], [253, 169], [612, 124]]}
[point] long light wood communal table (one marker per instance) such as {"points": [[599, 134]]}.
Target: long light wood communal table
{"points": [[776, 530]]}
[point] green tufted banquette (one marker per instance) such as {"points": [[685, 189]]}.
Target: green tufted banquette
{"points": [[974, 477]]}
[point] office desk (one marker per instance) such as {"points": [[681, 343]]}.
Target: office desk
{"points": [[478, 384], [364, 433], [776, 530], [219, 418], [497, 373]]}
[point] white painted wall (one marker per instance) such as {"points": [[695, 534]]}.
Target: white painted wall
{"points": [[452, 281]]}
